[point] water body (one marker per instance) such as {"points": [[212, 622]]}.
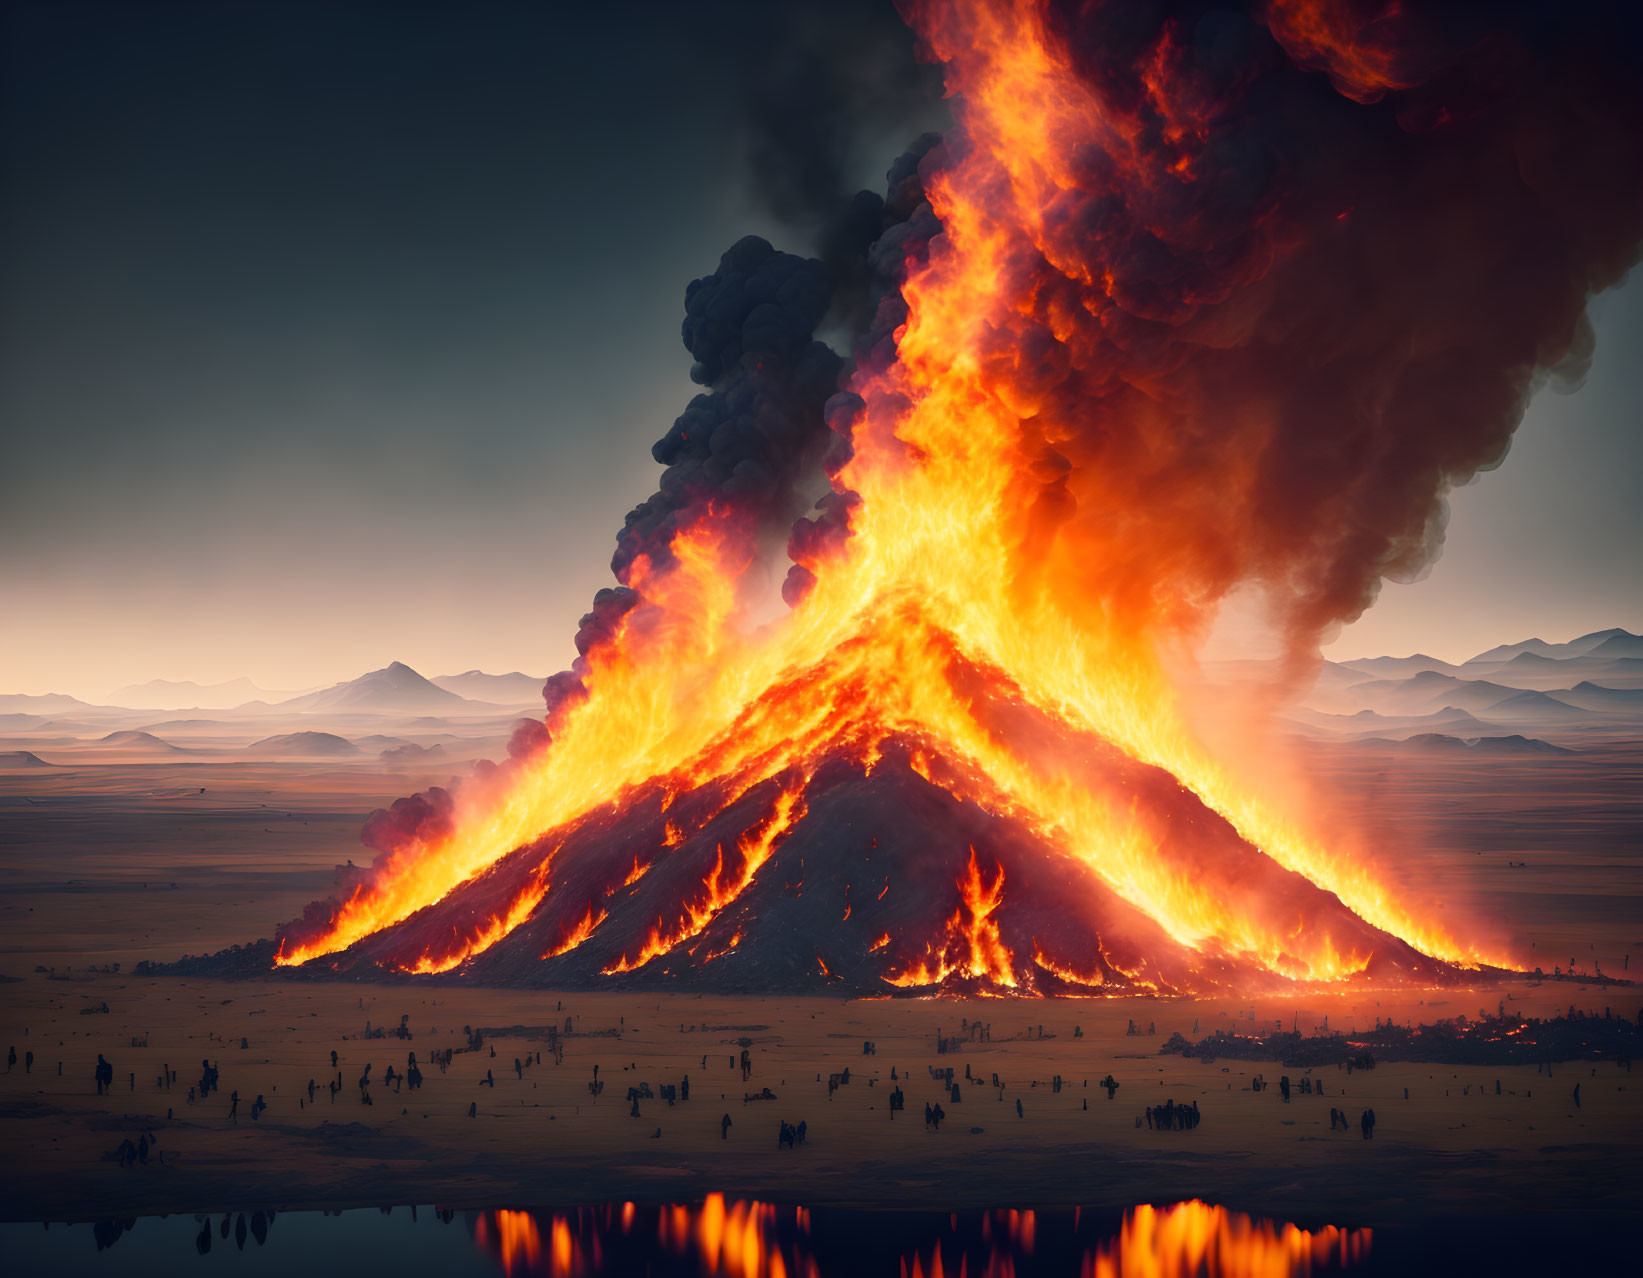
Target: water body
{"points": [[751, 1239]]}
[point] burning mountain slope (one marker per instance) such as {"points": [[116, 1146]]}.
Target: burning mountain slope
{"points": [[950, 895], [858, 847], [1188, 299]]}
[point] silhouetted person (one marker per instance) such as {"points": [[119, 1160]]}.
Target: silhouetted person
{"points": [[1577, 1095], [724, 1128], [1367, 1123], [28, 1062], [684, 1089], [105, 1075], [473, 1108], [333, 1060], [234, 1106], [1018, 1112], [1283, 1088], [801, 1130]]}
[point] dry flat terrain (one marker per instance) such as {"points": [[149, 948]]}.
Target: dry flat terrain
{"points": [[89, 856]]}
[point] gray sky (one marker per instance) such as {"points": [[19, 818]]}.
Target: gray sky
{"points": [[328, 340], [1550, 545]]}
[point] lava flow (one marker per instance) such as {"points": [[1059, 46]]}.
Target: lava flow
{"points": [[1118, 357]]}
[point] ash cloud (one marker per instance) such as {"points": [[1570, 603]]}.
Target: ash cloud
{"points": [[1338, 248]]}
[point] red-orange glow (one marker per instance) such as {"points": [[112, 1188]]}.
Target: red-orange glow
{"points": [[516, 1238], [564, 1247], [721, 887], [1073, 976], [580, 932], [1193, 1238], [1341, 40], [487, 935]]}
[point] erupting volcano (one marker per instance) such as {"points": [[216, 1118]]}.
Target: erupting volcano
{"points": [[1188, 299]]}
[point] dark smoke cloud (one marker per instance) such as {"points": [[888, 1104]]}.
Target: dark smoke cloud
{"points": [[825, 88], [768, 433], [822, 86], [1387, 223]]}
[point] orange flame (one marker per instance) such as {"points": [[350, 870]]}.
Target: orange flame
{"points": [[519, 909], [972, 947], [755, 847], [577, 934]]}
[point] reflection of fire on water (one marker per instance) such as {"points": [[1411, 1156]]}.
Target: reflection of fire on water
{"points": [[1193, 1237], [750, 1239], [737, 1239]]}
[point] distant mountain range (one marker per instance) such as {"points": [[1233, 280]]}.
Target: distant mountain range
{"points": [[395, 689], [171, 694], [1600, 645], [45, 703], [1625, 644]]}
